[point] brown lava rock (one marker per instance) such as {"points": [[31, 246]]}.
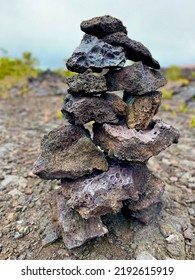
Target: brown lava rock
{"points": [[102, 26], [105, 108], [68, 152], [136, 79], [135, 51], [122, 143], [141, 109]]}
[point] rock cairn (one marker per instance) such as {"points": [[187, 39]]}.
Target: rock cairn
{"points": [[105, 170]]}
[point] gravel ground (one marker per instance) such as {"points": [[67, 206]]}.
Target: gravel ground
{"points": [[26, 229]]}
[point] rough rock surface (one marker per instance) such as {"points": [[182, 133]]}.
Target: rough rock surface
{"points": [[74, 229], [152, 195], [132, 145], [99, 194], [136, 79], [95, 54], [101, 109], [135, 51], [68, 152], [148, 215], [86, 83], [102, 26], [141, 109]]}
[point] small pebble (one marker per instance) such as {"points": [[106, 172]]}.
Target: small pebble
{"points": [[173, 179]]}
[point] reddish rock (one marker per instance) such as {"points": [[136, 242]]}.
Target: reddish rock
{"points": [[102, 26], [141, 109], [135, 51], [96, 55], [136, 79], [86, 84], [68, 152], [102, 193], [105, 108], [122, 143], [74, 229]]}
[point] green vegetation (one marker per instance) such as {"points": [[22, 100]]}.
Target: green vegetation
{"points": [[167, 94], [18, 68], [65, 73], [183, 108], [174, 73], [192, 121], [16, 71], [193, 74], [166, 108]]}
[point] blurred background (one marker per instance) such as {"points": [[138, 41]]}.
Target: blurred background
{"points": [[50, 30]]}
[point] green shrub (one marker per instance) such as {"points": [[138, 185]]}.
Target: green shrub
{"points": [[183, 108], [192, 122], [167, 94], [174, 73]]}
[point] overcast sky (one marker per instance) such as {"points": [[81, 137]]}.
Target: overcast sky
{"points": [[50, 29]]}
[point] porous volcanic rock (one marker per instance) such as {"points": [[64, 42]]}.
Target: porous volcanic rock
{"points": [[136, 79], [141, 109], [135, 51], [122, 143], [95, 54], [74, 229], [100, 193], [68, 152], [86, 84], [106, 108], [102, 26]]}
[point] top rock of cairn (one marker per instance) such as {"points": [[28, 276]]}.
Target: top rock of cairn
{"points": [[102, 26], [106, 169]]}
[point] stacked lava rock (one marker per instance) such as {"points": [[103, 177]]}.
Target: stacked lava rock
{"points": [[105, 170]]}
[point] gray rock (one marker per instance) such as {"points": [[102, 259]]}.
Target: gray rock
{"points": [[76, 230], [68, 152], [13, 180], [144, 255], [102, 26], [99, 194], [105, 108], [141, 109], [122, 143], [86, 83], [136, 79], [51, 236], [135, 51], [95, 54]]}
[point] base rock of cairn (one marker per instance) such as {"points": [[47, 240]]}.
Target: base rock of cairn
{"points": [[105, 170]]}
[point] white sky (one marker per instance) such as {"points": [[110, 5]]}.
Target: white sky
{"points": [[50, 29]]}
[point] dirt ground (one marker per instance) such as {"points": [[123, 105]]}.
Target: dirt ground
{"points": [[26, 229]]}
